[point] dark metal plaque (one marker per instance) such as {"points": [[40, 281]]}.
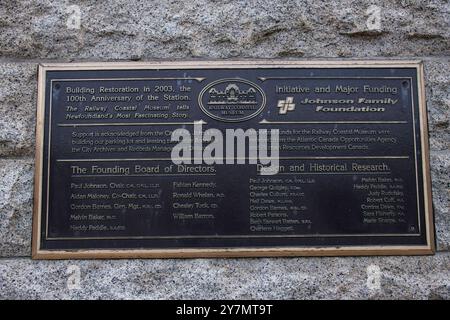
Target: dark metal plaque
{"points": [[353, 175]]}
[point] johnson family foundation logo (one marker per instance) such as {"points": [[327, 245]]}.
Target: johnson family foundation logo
{"points": [[232, 100], [286, 105]]}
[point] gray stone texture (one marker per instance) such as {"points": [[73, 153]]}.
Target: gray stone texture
{"points": [[18, 83], [136, 29], [16, 197], [33, 31], [282, 278]]}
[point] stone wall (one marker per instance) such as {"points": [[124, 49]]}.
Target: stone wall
{"points": [[32, 31]]}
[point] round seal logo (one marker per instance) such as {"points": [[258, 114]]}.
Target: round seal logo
{"points": [[232, 100]]}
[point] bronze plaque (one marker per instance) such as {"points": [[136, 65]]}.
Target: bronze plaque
{"points": [[231, 159]]}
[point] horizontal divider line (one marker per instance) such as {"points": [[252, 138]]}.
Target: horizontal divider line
{"points": [[332, 122], [333, 173], [113, 124], [246, 158], [242, 236]]}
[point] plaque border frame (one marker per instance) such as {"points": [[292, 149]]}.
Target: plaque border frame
{"points": [[385, 250]]}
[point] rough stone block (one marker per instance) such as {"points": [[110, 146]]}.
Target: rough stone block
{"points": [[283, 278], [16, 197], [215, 29], [17, 108]]}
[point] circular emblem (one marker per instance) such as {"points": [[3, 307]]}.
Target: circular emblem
{"points": [[232, 100]]}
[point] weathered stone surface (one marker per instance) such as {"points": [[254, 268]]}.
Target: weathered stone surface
{"points": [[283, 278], [17, 108], [223, 29], [440, 175], [438, 103], [437, 82], [16, 197]]}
